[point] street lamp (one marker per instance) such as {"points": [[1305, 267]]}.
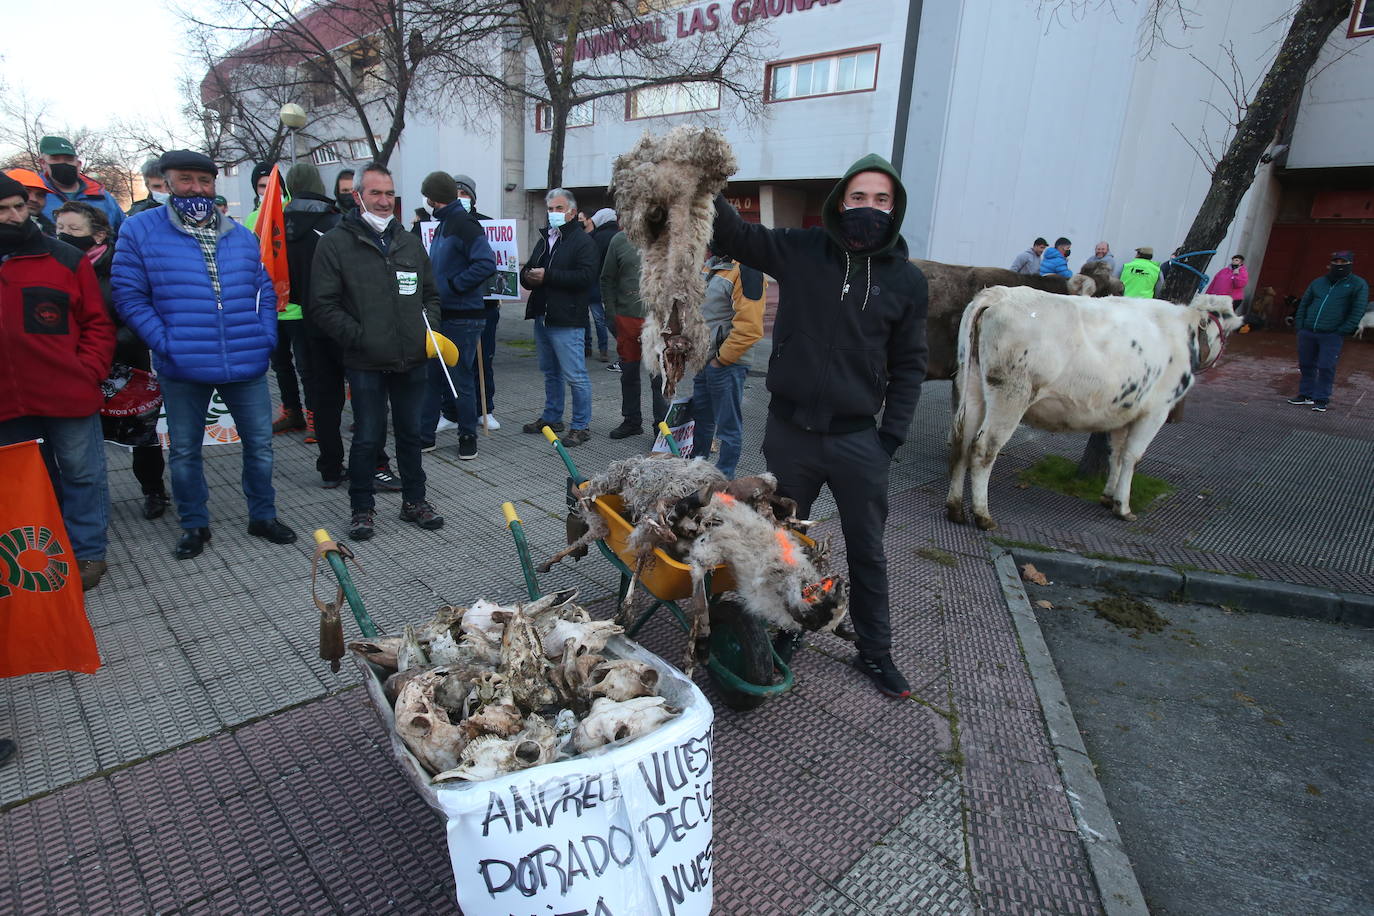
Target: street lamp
{"points": [[293, 119]]}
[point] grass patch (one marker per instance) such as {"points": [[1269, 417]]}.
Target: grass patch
{"points": [[1129, 614], [520, 343], [936, 555], [1054, 472], [1010, 544]]}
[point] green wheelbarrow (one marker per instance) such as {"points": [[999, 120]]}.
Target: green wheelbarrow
{"points": [[743, 664]]}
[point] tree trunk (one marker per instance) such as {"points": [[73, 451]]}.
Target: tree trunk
{"points": [[558, 135], [1312, 25], [1095, 456]]}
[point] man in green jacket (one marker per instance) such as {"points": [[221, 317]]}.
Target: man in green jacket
{"points": [[1330, 309], [1140, 276], [371, 289], [620, 294]]}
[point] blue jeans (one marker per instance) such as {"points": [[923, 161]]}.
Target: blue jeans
{"points": [[251, 406], [1317, 356], [488, 354], [371, 391], [466, 334], [74, 452], [717, 399], [596, 310], [563, 361]]}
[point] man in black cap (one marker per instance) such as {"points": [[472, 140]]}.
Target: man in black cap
{"points": [[190, 282], [1330, 310]]}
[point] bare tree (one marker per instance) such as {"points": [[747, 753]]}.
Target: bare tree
{"points": [[582, 51]]}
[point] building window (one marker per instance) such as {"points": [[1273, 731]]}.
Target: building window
{"points": [[583, 115], [674, 98], [832, 74], [325, 154], [359, 149], [1361, 19]]}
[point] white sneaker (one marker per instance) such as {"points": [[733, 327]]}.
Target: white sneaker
{"points": [[491, 422], [444, 423]]}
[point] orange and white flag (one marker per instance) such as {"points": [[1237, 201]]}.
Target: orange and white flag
{"points": [[43, 625], [271, 230]]}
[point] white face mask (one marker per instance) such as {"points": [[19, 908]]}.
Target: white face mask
{"points": [[465, 203], [378, 223], [557, 219], [162, 196]]}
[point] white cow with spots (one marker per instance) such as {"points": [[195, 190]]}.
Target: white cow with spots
{"points": [[1061, 363]]}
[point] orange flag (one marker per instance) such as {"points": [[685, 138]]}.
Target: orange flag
{"points": [[271, 230], [43, 625]]}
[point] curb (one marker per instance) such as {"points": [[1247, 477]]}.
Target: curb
{"points": [[1107, 857], [1259, 596]]}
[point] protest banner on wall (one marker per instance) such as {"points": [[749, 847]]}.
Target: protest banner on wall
{"points": [[503, 237], [220, 428]]}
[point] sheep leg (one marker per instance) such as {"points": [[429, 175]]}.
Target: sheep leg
{"points": [[699, 634], [624, 614]]}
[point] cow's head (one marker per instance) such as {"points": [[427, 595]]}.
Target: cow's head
{"points": [[1214, 318], [1219, 308]]}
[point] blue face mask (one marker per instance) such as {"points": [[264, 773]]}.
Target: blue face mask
{"points": [[557, 219], [465, 203], [194, 210]]}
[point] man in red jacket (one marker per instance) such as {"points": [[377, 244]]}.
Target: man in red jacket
{"points": [[56, 346]]}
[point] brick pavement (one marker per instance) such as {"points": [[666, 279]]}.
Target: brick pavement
{"points": [[215, 765]]}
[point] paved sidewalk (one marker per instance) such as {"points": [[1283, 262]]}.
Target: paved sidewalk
{"points": [[216, 765]]}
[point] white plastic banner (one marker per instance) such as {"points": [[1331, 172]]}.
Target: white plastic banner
{"points": [[681, 424], [502, 236], [220, 428], [626, 831]]}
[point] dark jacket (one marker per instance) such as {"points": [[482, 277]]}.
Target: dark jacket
{"points": [[147, 203], [370, 300], [307, 218], [1333, 308], [620, 279], [847, 343], [56, 340], [463, 262], [569, 276], [602, 236]]}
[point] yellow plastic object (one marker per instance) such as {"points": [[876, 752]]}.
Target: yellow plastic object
{"points": [[549, 434], [447, 350], [321, 536], [663, 428], [508, 510]]}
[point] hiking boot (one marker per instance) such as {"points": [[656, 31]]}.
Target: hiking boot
{"points": [[614, 367], [1301, 401], [884, 674], [288, 420], [385, 480], [467, 448], [271, 529], [422, 514], [91, 572], [575, 437], [1319, 407], [310, 428], [360, 526], [154, 505], [538, 426], [625, 430], [786, 644]]}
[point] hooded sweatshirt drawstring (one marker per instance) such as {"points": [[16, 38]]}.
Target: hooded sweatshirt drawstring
{"points": [[868, 287]]}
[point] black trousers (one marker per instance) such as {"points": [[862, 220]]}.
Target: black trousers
{"points": [[289, 358], [326, 396], [630, 399], [855, 467]]}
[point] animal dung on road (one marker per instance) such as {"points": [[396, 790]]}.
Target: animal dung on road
{"points": [[1030, 574]]}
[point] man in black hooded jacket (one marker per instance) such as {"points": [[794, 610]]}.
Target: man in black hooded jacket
{"points": [[849, 341]]}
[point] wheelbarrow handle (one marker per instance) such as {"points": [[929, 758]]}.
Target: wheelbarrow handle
{"points": [[563, 453], [668, 438], [522, 548], [355, 601]]}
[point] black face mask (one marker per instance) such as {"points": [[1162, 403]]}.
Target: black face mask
{"points": [[1338, 272], [346, 202], [864, 228], [12, 235], [64, 174], [83, 242]]}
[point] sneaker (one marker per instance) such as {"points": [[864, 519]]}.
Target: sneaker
{"points": [[1319, 407], [154, 505], [575, 437], [428, 446], [360, 525], [625, 430], [884, 674], [1301, 401], [385, 480], [288, 420], [91, 573], [467, 448], [614, 367], [332, 483], [491, 422], [444, 423], [310, 428], [538, 426], [422, 514]]}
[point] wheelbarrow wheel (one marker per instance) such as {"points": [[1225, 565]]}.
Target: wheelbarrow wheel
{"points": [[740, 642]]}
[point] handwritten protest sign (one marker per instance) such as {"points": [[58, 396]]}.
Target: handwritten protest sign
{"points": [[503, 239]]}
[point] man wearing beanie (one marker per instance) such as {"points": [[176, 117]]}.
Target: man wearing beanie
{"points": [[486, 411], [463, 263], [1330, 309], [57, 347], [190, 283]]}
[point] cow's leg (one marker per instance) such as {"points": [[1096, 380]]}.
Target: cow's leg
{"points": [[968, 416], [1000, 417], [1138, 437], [1118, 444]]}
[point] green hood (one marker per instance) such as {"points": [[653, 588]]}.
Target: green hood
{"points": [[304, 178], [830, 210]]}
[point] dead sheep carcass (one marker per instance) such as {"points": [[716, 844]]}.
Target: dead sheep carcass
{"points": [[663, 189]]}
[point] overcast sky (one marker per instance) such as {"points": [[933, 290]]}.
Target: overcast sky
{"points": [[125, 58]]}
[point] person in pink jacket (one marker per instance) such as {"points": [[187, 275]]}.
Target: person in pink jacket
{"points": [[1230, 281]]}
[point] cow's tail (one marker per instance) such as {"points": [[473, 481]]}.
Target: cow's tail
{"points": [[968, 385]]}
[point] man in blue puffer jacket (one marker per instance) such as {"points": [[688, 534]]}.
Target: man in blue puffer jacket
{"points": [[1055, 261], [191, 284]]}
